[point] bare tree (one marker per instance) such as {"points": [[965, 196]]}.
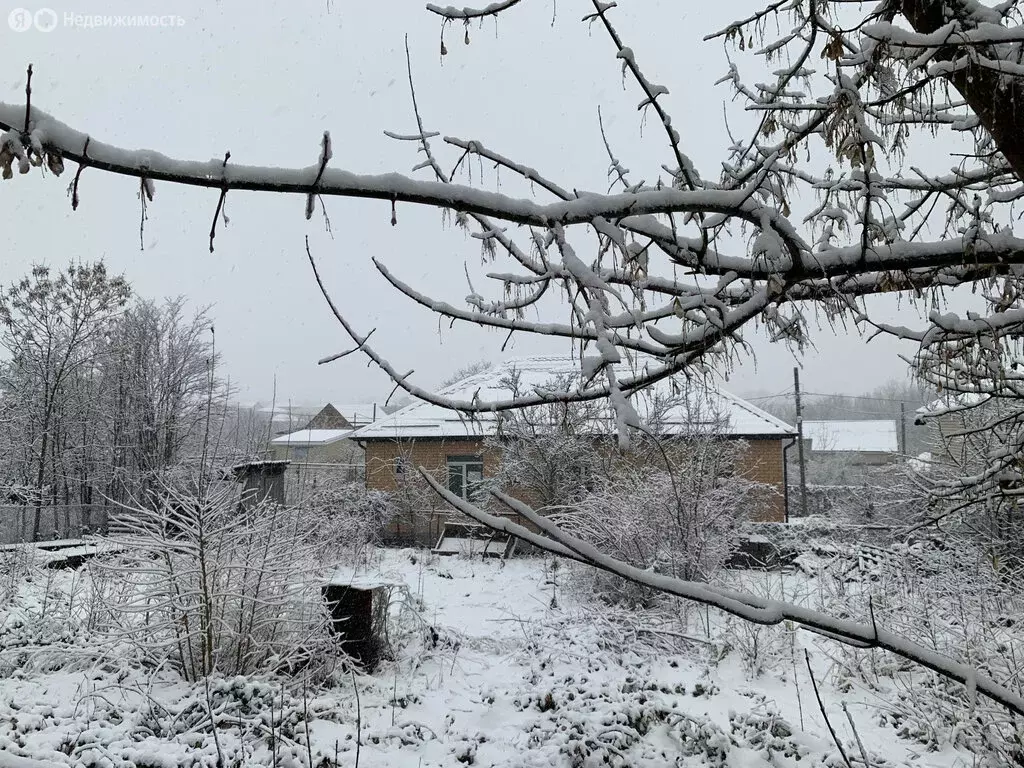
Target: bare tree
{"points": [[159, 380], [51, 326], [97, 403], [212, 590]]}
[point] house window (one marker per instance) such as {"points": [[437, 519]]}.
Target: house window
{"points": [[299, 454], [465, 476]]}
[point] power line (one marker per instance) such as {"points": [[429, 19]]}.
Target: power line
{"points": [[861, 397], [783, 393], [833, 394], [856, 411]]}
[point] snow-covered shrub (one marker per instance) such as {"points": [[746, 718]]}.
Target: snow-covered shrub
{"points": [[44, 621], [212, 588], [683, 521], [607, 723], [216, 722], [761, 648], [348, 515], [414, 508], [550, 454], [888, 494], [15, 564], [947, 596]]}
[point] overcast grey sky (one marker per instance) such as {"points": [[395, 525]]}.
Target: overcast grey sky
{"points": [[263, 80]]}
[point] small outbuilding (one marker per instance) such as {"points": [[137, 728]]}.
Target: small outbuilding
{"points": [[264, 481]]}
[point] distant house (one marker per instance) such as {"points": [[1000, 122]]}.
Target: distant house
{"points": [[453, 448], [315, 445], [859, 442], [284, 418], [321, 439], [952, 420], [323, 444], [357, 414]]}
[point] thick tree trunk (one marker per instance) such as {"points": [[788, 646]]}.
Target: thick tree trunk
{"points": [[997, 99]]}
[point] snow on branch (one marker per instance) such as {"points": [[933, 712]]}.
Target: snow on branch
{"points": [[56, 137], [678, 268], [451, 13]]}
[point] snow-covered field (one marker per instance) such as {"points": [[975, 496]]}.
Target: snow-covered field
{"points": [[498, 663]]}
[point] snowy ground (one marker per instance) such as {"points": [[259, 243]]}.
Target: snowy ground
{"points": [[500, 665]]}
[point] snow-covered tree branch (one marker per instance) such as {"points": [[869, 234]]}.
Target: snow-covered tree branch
{"points": [[681, 266], [551, 538]]}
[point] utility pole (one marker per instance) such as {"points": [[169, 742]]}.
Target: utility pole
{"points": [[903, 428], [800, 443]]}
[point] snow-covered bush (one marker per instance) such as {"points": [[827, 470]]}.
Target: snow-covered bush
{"points": [[550, 454], [681, 522], [14, 565], [413, 506], [348, 515], [606, 724], [888, 494], [550, 468], [44, 623], [212, 588], [951, 600]]}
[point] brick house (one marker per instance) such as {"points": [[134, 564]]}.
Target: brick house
{"points": [[453, 449]]}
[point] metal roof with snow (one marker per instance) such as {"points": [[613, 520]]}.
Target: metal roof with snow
{"points": [[952, 402], [311, 437], [864, 436], [693, 405]]}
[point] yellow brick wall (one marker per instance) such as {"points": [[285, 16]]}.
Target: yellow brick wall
{"points": [[761, 461], [425, 512], [432, 455]]}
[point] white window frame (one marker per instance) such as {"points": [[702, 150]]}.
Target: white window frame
{"points": [[460, 467]]}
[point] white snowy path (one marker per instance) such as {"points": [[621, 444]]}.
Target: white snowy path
{"points": [[491, 675]]}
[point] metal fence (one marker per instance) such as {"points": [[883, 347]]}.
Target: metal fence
{"points": [[61, 521]]}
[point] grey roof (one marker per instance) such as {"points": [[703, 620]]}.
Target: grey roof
{"points": [[710, 408]]}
